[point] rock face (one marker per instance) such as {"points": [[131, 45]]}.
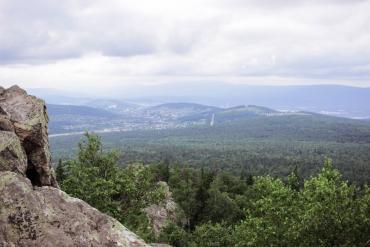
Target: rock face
{"points": [[33, 211], [46, 216], [166, 211], [12, 156], [26, 117]]}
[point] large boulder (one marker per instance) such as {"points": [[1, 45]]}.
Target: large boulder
{"points": [[46, 216], [26, 116]]}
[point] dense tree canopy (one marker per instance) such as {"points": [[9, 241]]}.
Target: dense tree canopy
{"points": [[221, 208]]}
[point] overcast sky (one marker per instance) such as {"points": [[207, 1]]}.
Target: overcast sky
{"points": [[95, 44]]}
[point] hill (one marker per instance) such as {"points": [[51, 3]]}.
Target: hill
{"points": [[54, 110], [236, 113], [73, 118], [345, 101], [111, 105], [180, 110], [182, 105], [334, 100]]}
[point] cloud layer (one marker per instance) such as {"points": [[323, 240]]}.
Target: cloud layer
{"points": [[79, 43]]}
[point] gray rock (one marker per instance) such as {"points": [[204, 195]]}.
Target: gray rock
{"points": [[12, 156], [164, 212], [26, 116], [46, 216], [5, 123]]}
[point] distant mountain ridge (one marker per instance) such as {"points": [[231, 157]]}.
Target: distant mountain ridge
{"points": [[181, 110], [78, 110], [76, 118], [237, 113], [72, 118], [345, 101], [251, 108], [194, 107], [116, 106]]}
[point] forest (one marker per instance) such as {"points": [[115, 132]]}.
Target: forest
{"points": [[258, 145], [220, 208]]}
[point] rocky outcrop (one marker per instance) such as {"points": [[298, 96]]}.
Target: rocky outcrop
{"points": [[46, 216], [164, 212], [12, 155], [26, 117], [33, 211]]}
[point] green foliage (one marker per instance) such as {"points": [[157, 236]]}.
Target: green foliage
{"points": [[122, 193], [323, 210], [294, 180], [184, 187], [220, 208], [174, 235], [162, 171], [60, 171], [213, 235], [272, 212], [327, 212], [333, 213], [222, 204]]}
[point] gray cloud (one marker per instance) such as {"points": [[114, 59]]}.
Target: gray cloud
{"points": [[90, 40], [44, 30]]}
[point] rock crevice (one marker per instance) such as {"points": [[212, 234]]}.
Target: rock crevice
{"points": [[26, 117]]}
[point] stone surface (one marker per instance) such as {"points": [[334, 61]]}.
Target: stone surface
{"points": [[26, 116], [166, 211], [5, 123], [46, 216], [12, 156]]}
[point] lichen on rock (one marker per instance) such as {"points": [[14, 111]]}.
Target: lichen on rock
{"points": [[46, 216], [12, 156], [26, 117]]}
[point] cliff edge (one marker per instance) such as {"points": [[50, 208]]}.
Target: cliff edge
{"points": [[33, 211]]}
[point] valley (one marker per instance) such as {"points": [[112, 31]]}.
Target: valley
{"points": [[253, 138], [69, 119]]}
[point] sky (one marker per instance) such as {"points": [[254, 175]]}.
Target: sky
{"points": [[96, 45]]}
